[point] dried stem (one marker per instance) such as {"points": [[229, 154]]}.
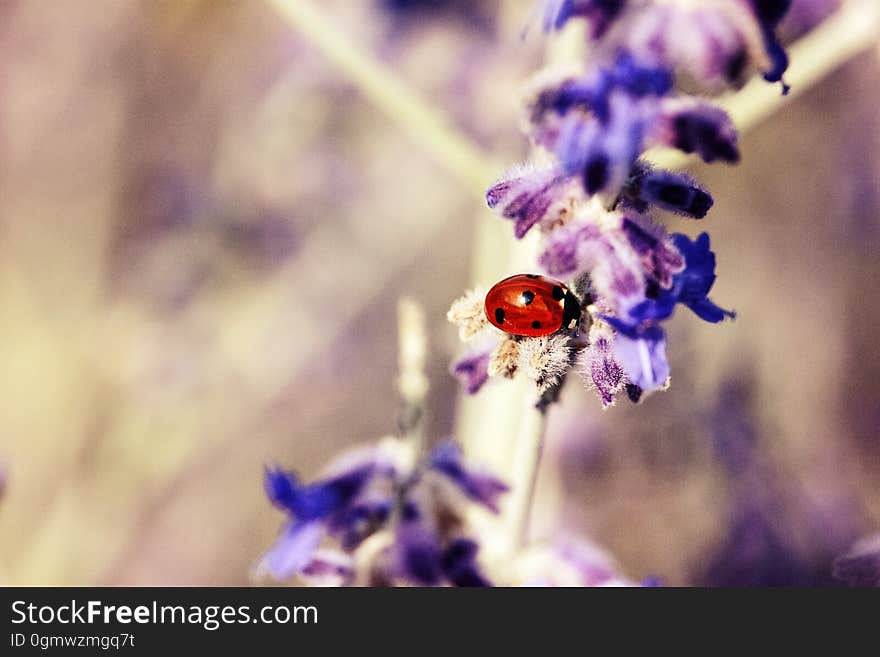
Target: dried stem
{"points": [[412, 383]]}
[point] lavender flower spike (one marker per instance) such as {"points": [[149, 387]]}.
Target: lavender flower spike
{"points": [[592, 202]]}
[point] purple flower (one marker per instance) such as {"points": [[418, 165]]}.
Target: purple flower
{"points": [[361, 520], [315, 501], [424, 560], [769, 14], [557, 98], [459, 564], [419, 552], [424, 556], [714, 42], [779, 62], [578, 140], [659, 257], [531, 197], [383, 495], [642, 354], [600, 366], [591, 93], [312, 509], [293, 549], [598, 13], [690, 287], [616, 269], [602, 155], [641, 80], [446, 458], [329, 568], [595, 125], [562, 254], [472, 371], [697, 127], [640, 347], [673, 191]]}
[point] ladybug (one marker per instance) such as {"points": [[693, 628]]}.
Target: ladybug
{"points": [[531, 305]]}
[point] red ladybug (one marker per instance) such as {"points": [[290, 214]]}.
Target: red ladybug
{"points": [[531, 305]]}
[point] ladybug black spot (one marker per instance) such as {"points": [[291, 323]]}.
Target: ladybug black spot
{"points": [[558, 293], [528, 296], [536, 324], [499, 315], [532, 276]]}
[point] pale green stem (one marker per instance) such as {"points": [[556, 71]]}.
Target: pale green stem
{"points": [[422, 119]]}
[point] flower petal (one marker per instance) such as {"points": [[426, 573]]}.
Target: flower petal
{"points": [[459, 563], [293, 549], [447, 459], [472, 370], [643, 358]]}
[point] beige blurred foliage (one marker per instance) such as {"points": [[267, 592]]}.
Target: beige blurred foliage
{"points": [[205, 231], [152, 361]]}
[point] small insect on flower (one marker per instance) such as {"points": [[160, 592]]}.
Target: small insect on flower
{"points": [[531, 305]]}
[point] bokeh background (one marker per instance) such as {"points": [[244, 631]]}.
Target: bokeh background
{"points": [[206, 224]]}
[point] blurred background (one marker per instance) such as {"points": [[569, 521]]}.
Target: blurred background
{"points": [[206, 223]]}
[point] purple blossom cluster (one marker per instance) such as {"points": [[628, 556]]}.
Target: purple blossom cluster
{"points": [[391, 518], [717, 42], [594, 203]]}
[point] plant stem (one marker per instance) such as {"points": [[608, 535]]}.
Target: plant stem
{"points": [[529, 444], [412, 382], [422, 119]]}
